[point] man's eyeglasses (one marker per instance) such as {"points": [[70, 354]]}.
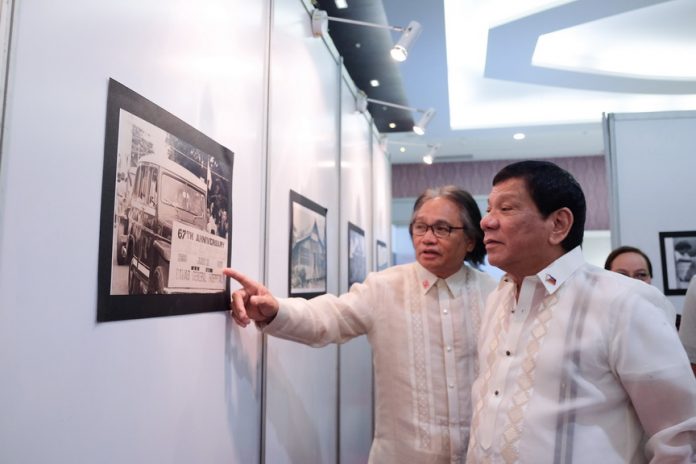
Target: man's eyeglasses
{"points": [[440, 230]]}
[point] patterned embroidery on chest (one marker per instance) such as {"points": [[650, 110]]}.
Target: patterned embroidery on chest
{"points": [[472, 298], [488, 372], [525, 382], [420, 367]]}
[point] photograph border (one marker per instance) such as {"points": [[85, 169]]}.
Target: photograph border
{"points": [[120, 307], [379, 244], [296, 197], [669, 265], [352, 228]]}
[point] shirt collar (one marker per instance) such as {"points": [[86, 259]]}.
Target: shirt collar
{"points": [[553, 275], [427, 279]]}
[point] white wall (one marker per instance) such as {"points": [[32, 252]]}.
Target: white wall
{"points": [[301, 410], [177, 389], [355, 356], [651, 166], [188, 388]]}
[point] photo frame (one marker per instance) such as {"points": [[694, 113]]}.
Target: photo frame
{"points": [[166, 214], [357, 261], [678, 255], [307, 251], [382, 254]]}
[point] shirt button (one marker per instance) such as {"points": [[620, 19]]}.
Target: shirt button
{"points": [[508, 353], [496, 393], [444, 311], [451, 385], [449, 348]]}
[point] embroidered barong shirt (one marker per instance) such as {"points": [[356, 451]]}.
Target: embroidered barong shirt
{"points": [[687, 331], [582, 368], [422, 331]]}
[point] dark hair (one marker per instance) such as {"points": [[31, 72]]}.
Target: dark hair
{"points": [[626, 249], [682, 246], [469, 213], [551, 189]]}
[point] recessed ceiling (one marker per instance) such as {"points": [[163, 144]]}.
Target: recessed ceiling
{"points": [[549, 69]]}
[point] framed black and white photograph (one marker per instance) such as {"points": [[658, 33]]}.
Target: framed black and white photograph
{"points": [[678, 253], [357, 262], [166, 214], [382, 254], [307, 269]]}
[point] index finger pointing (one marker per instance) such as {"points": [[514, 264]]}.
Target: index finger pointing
{"points": [[245, 281]]}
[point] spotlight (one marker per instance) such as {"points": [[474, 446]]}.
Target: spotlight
{"points": [[419, 128], [361, 101], [399, 52]]}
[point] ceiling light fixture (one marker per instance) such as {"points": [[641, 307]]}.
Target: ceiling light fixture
{"points": [[430, 156], [374, 83], [341, 4], [361, 101], [399, 52], [392, 125], [519, 136]]}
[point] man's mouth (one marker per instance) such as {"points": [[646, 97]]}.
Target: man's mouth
{"points": [[430, 252]]}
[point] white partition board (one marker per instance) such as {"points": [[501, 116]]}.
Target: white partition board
{"points": [[301, 395], [652, 165], [381, 192], [355, 356], [176, 390]]}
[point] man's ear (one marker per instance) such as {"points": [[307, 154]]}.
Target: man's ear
{"points": [[561, 222]]}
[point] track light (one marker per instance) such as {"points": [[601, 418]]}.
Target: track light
{"points": [[430, 156], [399, 52], [361, 101], [419, 128]]}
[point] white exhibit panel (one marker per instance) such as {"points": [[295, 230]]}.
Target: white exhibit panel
{"points": [[162, 390], [301, 389], [381, 195], [652, 160], [355, 356]]}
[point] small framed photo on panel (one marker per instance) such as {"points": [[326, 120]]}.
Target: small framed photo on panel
{"points": [[307, 260], [166, 214], [678, 254], [357, 262]]}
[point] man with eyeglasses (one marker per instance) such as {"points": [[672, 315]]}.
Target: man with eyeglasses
{"points": [[422, 321]]}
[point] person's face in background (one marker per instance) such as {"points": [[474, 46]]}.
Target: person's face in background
{"points": [[633, 265], [443, 256]]}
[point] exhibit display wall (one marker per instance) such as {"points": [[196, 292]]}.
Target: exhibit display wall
{"points": [[355, 356], [193, 388], [651, 165], [301, 410]]}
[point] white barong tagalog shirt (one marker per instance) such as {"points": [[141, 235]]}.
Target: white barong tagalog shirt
{"points": [[423, 336], [687, 331], [583, 367]]}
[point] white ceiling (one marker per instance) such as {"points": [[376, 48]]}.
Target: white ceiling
{"points": [[550, 69]]}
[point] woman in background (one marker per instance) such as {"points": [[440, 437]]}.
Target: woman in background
{"points": [[632, 262]]}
